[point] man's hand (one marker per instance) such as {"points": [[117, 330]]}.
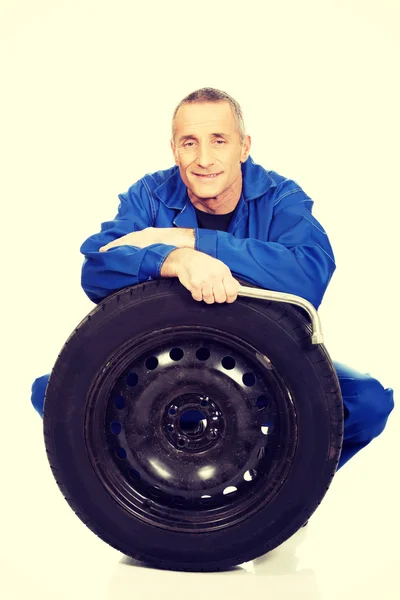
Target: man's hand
{"points": [[173, 236], [207, 278]]}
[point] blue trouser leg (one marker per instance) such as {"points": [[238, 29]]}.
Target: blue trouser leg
{"points": [[367, 406], [38, 392]]}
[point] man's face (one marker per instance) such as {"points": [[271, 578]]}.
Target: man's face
{"points": [[207, 142]]}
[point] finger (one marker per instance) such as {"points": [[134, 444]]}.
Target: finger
{"points": [[195, 290], [231, 286], [208, 293], [109, 245], [219, 291], [197, 295]]}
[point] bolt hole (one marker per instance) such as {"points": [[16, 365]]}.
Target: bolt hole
{"points": [[151, 363], [228, 362], [172, 411], [181, 442], [170, 427], [176, 353], [115, 427], [203, 354], [135, 474], [248, 379], [204, 403]]}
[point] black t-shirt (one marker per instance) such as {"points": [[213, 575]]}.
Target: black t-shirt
{"points": [[211, 221]]}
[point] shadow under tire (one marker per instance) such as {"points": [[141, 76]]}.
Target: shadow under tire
{"points": [[193, 437]]}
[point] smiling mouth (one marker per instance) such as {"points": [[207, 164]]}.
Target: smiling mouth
{"points": [[211, 176]]}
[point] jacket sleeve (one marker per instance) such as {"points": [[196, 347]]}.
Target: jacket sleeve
{"points": [[106, 272], [295, 258]]}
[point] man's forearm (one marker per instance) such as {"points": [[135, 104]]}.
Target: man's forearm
{"points": [[181, 237]]}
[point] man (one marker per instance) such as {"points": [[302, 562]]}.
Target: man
{"points": [[217, 215]]}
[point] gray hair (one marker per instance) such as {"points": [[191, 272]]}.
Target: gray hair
{"points": [[213, 95]]}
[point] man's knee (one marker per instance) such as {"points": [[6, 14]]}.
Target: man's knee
{"points": [[38, 393], [369, 408], [377, 400]]}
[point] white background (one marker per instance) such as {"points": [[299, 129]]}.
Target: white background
{"points": [[88, 89]]}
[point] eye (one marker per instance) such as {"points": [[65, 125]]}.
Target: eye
{"points": [[222, 141], [187, 143]]}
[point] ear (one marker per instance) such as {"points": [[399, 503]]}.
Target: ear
{"points": [[246, 149], [174, 151]]}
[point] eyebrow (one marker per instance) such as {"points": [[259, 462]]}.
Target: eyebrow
{"points": [[191, 136]]}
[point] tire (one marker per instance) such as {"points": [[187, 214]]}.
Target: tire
{"points": [[271, 410]]}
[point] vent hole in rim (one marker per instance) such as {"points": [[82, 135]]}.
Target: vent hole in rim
{"points": [[119, 402], [248, 379], [229, 490], [132, 379], [151, 363], [203, 354], [228, 362], [262, 401], [115, 427], [121, 453], [250, 475], [176, 354]]}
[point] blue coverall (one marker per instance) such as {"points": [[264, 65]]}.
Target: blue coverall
{"points": [[273, 241]]}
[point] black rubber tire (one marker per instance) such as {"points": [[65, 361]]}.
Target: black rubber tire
{"points": [[278, 330]]}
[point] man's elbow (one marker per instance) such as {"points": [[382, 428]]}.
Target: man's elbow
{"points": [[318, 267]]}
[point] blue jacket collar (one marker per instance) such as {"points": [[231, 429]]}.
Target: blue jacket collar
{"points": [[256, 181]]}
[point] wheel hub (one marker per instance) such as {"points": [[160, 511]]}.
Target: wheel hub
{"points": [[193, 422]]}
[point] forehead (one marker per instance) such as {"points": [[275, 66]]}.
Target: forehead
{"points": [[205, 115]]}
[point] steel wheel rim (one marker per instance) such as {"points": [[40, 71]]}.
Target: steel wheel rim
{"points": [[133, 438]]}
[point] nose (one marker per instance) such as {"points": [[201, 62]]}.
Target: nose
{"points": [[204, 158]]}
